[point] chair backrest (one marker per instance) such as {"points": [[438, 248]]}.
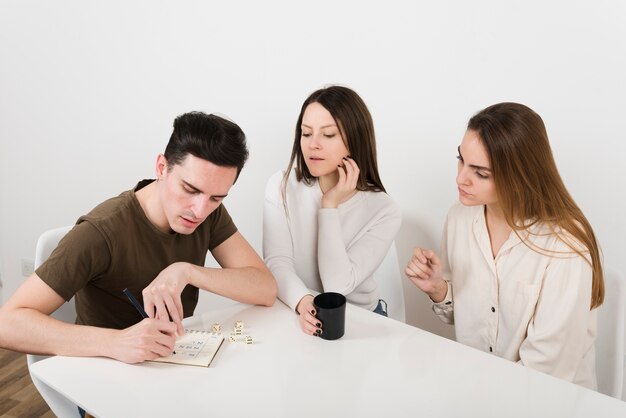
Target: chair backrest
{"points": [[46, 243], [59, 404], [610, 343], [389, 282]]}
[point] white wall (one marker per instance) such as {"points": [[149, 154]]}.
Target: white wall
{"points": [[89, 90]]}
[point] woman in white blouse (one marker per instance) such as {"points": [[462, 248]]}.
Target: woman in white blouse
{"points": [[327, 221], [519, 274]]}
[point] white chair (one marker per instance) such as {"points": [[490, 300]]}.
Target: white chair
{"points": [[610, 343], [389, 281], [60, 405]]}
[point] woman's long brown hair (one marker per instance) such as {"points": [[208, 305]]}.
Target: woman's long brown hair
{"points": [[357, 130], [528, 185]]}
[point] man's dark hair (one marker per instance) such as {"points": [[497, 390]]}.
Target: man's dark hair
{"points": [[209, 137]]}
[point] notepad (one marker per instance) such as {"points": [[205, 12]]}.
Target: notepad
{"points": [[194, 348]]}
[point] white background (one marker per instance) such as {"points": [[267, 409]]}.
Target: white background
{"points": [[89, 90]]}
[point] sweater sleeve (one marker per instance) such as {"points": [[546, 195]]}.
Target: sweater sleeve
{"points": [[278, 245], [343, 267]]}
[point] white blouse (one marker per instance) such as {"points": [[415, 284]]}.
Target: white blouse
{"points": [[524, 306]]}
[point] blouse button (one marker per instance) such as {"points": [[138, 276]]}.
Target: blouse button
{"points": [[493, 309]]}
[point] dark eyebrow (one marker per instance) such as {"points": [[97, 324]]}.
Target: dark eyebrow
{"points": [[321, 127], [477, 167], [191, 186], [195, 189]]}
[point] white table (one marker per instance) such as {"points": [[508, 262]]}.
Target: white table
{"points": [[379, 368]]}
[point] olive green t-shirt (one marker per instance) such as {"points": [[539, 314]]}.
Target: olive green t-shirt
{"points": [[115, 247]]}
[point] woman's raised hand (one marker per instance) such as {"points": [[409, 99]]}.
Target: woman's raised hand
{"points": [[425, 271], [345, 187]]}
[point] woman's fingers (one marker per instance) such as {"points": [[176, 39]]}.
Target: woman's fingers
{"points": [[310, 324]]}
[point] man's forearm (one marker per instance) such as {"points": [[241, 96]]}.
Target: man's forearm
{"points": [[252, 285], [29, 331]]}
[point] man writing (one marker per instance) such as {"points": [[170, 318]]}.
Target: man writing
{"points": [[153, 240]]}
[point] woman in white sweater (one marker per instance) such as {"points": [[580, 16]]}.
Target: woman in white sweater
{"points": [[520, 273], [327, 221]]}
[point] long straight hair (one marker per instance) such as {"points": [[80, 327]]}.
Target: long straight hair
{"points": [[528, 185], [357, 130]]}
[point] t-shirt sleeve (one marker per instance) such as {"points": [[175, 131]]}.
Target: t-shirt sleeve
{"points": [[82, 255], [222, 227]]}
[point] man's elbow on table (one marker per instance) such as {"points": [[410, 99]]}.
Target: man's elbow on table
{"points": [[270, 289]]}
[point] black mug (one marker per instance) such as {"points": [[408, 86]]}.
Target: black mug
{"points": [[331, 311]]}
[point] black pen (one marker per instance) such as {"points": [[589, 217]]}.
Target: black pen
{"points": [[136, 304]]}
